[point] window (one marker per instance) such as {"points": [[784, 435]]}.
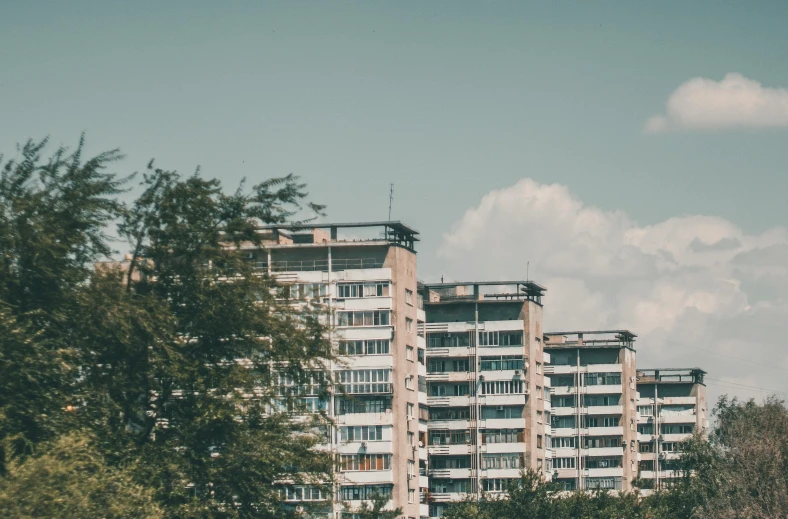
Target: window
{"points": [[603, 463], [459, 413], [493, 412], [565, 443], [501, 362], [359, 381], [450, 437], [421, 355], [409, 325], [448, 340], [411, 469], [358, 406], [447, 365], [646, 428], [603, 379], [538, 441], [601, 442], [646, 410], [502, 461], [409, 382], [451, 462], [539, 392], [501, 387], [502, 436], [677, 429], [646, 447], [496, 338], [411, 495], [355, 290], [302, 291], [368, 347], [603, 483], [601, 400], [497, 485], [409, 297], [365, 462], [564, 463], [538, 368], [411, 437], [361, 433], [563, 422], [364, 318], [410, 411], [409, 353], [358, 493], [301, 494], [450, 389], [539, 417]]}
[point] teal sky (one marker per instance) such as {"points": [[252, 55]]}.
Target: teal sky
{"points": [[448, 100]]}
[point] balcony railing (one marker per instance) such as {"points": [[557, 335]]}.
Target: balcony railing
{"points": [[320, 265]]}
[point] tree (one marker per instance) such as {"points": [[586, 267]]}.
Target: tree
{"points": [[70, 479], [53, 214], [374, 509], [174, 362]]}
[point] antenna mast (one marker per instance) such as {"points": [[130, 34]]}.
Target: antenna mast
{"points": [[391, 198]]}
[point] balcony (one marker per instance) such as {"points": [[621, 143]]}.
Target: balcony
{"points": [[450, 473], [321, 265], [448, 401]]}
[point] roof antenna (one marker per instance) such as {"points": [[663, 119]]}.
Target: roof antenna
{"points": [[391, 197], [527, 266], [441, 278]]}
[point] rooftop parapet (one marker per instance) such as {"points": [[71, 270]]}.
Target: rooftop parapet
{"points": [[491, 291], [394, 232], [590, 339], [671, 376]]}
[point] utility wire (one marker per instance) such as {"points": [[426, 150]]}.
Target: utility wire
{"points": [[745, 386], [727, 355]]}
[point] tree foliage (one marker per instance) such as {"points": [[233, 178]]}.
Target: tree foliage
{"points": [[144, 357]]}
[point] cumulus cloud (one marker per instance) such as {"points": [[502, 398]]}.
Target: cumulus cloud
{"points": [[691, 287], [734, 102]]}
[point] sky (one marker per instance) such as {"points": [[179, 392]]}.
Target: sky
{"points": [[633, 152]]}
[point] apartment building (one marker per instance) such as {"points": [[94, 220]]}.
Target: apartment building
{"points": [[594, 409], [487, 394], [365, 275], [672, 406]]}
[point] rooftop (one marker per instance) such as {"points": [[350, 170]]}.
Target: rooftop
{"points": [[393, 231], [479, 291], [670, 376], [590, 339]]}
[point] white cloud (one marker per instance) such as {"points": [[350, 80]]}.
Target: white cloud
{"points": [[734, 102], [685, 285]]}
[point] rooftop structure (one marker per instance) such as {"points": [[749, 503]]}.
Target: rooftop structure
{"points": [[594, 419], [671, 408]]}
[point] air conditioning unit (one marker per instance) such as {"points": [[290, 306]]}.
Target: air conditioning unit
{"points": [[363, 445], [517, 373]]}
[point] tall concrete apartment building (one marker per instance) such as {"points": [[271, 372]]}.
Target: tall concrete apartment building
{"points": [[369, 287], [672, 406], [488, 398], [594, 420]]}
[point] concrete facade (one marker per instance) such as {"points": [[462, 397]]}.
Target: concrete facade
{"points": [[369, 288], [594, 421], [672, 407], [485, 387]]}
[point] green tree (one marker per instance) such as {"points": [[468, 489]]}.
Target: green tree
{"points": [[374, 509], [71, 480], [53, 214], [145, 356]]}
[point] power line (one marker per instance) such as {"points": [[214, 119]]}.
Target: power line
{"points": [[727, 355], [738, 385]]}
